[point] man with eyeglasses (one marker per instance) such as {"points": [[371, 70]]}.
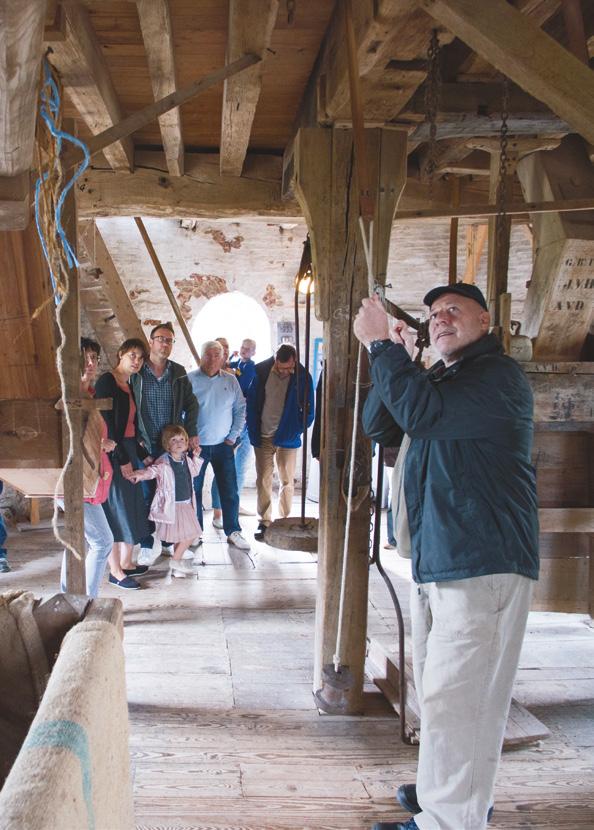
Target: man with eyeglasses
{"points": [[163, 396]]}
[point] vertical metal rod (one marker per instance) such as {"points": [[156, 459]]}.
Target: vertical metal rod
{"points": [[376, 560], [305, 401]]}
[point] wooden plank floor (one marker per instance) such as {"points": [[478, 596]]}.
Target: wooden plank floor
{"points": [[224, 731]]}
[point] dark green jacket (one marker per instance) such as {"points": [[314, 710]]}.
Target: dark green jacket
{"points": [[185, 405], [469, 487]]}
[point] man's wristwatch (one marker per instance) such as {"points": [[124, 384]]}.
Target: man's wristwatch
{"points": [[376, 347]]}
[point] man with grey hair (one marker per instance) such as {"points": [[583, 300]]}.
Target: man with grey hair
{"points": [[221, 418]]}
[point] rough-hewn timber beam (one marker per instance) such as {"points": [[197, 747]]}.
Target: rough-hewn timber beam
{"points": [[203, 192], [251, 23], [515, 46], [21, 36], [155, 24], [87, 81]]}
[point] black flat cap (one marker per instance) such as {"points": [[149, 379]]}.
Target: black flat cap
{"points": [[464, 289]]}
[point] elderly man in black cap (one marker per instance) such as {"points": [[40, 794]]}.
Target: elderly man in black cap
{"points": [[467, 513]]}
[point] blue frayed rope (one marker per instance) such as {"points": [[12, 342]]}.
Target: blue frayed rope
{"points": [[49, 111]]}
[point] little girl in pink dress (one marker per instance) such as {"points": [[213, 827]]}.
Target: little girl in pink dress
{"points": [[173, 509]]}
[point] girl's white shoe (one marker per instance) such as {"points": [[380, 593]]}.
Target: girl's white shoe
{"points": [[182, 568]]}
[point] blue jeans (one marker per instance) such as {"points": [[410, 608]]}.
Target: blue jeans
{"points": [[242, 454], [99, 539], [221, 456], [3, 534], [390, 523]]}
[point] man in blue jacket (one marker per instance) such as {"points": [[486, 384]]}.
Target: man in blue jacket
{"points": [[467, 511], [275, 403]]}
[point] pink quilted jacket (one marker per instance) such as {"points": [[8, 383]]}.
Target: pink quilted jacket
{"points": [[163, 504]]}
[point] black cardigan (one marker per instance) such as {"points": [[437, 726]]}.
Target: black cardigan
{"points": [[117, 417]]}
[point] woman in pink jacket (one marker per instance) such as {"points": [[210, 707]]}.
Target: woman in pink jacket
{"points": [[173, 508]]}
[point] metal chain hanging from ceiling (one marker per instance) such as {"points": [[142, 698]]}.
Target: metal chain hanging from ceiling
{"points": [[432, 97], [501, 197]]}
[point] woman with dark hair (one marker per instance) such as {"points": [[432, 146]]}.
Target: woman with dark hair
{"points": [[125, 508]]}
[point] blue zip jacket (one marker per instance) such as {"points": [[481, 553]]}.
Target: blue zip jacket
{"points": [[290, 428], [469, 486]]}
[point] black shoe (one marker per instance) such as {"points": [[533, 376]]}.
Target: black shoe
{"points": [[260, 533], [127, 583], [137, 570], [406, 795]]}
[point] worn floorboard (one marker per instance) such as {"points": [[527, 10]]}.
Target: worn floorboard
{"points": [[224, 733]]}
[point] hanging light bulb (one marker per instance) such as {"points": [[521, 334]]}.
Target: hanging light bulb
{"points": [[304, 280]]}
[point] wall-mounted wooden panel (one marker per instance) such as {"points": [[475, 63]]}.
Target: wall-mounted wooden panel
{"points": [[27, 342]]}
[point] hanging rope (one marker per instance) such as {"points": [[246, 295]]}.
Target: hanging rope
{"points": [[50, 195]]}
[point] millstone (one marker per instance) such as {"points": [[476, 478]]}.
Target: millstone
{"points": [[292, 534]]}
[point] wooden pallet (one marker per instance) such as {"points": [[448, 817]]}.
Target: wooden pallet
{"points": [[381, 665]]}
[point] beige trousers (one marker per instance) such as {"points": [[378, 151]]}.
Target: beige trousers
{"points": [[285, 462], [466, 635]]}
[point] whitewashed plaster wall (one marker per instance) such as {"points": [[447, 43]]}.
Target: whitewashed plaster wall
{"points": [[260, 257], [256, 256]]}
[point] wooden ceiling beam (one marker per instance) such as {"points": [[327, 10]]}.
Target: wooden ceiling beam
{"points": [[515, 46], [21, 40], [155, 24], [87, 81], [251, 23], [539, 11], [203, 193]]}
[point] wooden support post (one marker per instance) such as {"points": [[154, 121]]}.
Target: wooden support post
{"points": [[500, 226], [328, 193], [476, 236], [71, 367], [34, 511], [498, 249], [453, 265]]}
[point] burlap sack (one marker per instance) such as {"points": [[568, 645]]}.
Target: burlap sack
{"points": [[24, 671], [73, 770]]}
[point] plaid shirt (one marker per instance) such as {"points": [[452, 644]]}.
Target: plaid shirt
{"points": [[157, 400]]}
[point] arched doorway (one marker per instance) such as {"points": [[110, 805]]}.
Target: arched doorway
{"points": [[235, 316]]}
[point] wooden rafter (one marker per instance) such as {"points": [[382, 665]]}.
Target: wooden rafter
{"points": [[141, 118], [539, 12], [251, 23], [155, 24], [87, 81], [528, 56], [21, 35]]}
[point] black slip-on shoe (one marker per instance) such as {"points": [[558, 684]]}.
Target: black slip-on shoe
{"points": [[137, 570], [127, 583]]}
